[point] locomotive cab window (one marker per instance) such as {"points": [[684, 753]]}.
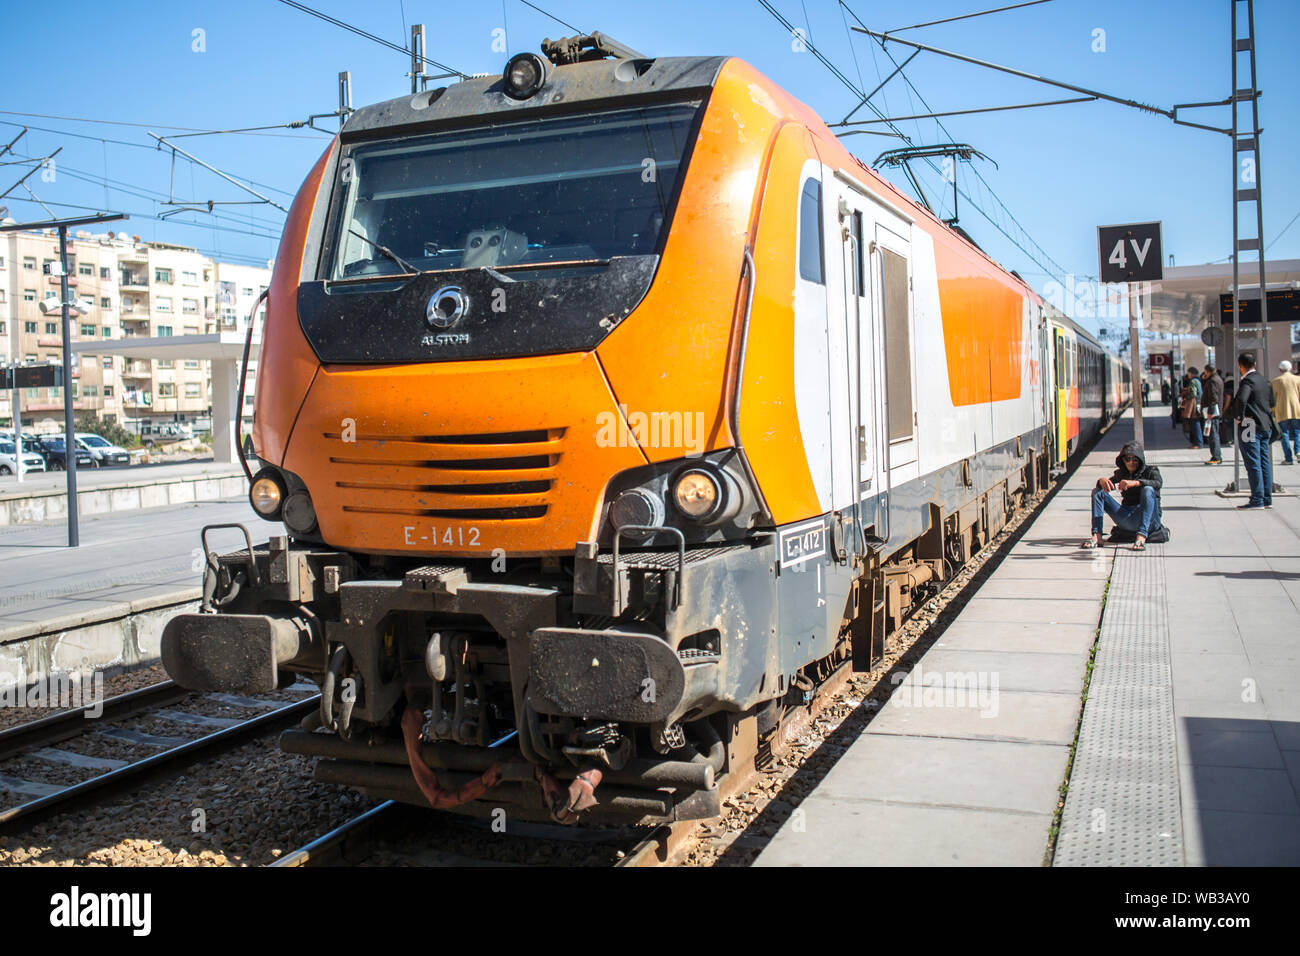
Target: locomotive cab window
{"points": [[811, 266], [576, 188]]}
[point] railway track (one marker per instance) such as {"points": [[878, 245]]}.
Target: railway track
{"points": [[32, 742]]}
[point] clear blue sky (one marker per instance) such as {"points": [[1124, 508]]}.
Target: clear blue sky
{"points": [[1061, 170]]}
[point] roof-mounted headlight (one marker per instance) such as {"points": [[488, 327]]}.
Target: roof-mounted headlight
{"points": [[524, 75]]}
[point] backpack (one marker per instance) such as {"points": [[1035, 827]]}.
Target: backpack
{"points": [[1120, 536]]}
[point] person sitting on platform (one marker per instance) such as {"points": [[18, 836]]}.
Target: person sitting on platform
{"points": [[1138, 511]]}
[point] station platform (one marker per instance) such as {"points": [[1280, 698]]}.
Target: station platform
{"points": [[104, 603], [41, 498], [1187, 749]]}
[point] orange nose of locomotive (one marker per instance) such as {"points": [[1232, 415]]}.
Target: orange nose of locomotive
{"points": [[459, 458]]}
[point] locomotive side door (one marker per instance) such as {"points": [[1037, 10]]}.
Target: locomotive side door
{"points": [[862, 366], [879, 323], [859, 365]]}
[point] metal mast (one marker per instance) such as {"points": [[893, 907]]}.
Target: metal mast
{"points": [[1245, 169]]}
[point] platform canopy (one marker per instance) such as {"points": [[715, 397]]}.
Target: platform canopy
{"points": [[1186, 300], [228, 346], [225, 350]]}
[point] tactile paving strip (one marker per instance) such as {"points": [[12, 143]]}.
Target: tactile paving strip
{"points": [[1123, 805]]}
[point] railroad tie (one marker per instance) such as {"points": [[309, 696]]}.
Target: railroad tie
{"points": [[71, 759], [28, 788]]}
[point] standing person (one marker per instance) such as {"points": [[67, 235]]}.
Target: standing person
{"points": [[1212, 409], [1254, 431], [1286, 409], [1225, 422], [1164, 390], [1176, 401], [1190, 408]]}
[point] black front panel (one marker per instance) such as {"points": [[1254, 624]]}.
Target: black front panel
{"points": [[534, 312]]}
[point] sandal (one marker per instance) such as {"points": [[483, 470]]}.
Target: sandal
{"points": [[1089, 544], [1139, 545]]}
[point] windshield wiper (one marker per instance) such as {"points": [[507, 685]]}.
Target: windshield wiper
{"points": [[385, 250]]}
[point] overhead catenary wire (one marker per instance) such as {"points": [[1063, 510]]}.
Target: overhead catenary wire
{"points": [[808, 44], [143, 192], [967, 16], [226, 176], [982, 109], [302, 7], [252, 130], [1057, 270], [122, 142], [250, 259], [149, 217], [134, 189], [544, 13], [1283, 232], [10, 145]]}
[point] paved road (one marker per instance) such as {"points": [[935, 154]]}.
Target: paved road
{"points": [[123, 557], [98, 477]]}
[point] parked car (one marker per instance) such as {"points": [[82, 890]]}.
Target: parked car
{"points": [[9, 459], [105, 452], [31, 443], [56, 454], [165, 433]]}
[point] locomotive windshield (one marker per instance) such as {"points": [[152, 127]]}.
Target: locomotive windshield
{"points": [[574, 188]]}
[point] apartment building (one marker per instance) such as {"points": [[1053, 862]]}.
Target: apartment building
{"points": [[237, 289], [30, 287], [124, 289], [166, 291]]}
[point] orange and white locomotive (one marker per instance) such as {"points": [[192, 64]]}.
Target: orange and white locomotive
{"points": [[608, 406]]}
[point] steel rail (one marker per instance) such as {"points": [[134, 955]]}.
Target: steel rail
{"points": [[332, 848], [139, 771], [73, 723]]}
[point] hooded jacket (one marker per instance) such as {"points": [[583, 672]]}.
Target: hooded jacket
{"points": [[1148, 475]]}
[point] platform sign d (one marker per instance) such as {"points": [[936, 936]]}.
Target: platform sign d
{"points": [[1130, 253]]}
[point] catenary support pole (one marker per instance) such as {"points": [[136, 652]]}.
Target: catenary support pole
{"points": [[70, 436], [1135, 361], [18, 425]]}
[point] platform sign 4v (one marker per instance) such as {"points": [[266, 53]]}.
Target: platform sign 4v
{"points": [[1130, 253]]}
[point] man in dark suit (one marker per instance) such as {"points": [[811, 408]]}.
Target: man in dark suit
{"points": [[1250, 408]]}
